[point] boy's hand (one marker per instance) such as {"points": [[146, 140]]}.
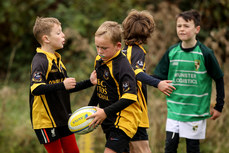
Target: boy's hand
{"points": [[165, 87], [99, 117], [215, 114], [69, 83], [93, 77]]}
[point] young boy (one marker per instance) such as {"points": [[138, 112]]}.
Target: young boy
{"points": [[50, 88], [137, 28], [191, 66], [119, 112]]}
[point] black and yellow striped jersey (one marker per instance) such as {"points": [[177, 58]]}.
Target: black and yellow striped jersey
{"points": [[53, 108], [116, 93], [136, 56], [49, 100]]}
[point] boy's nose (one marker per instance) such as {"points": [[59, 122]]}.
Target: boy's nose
{"points": [[99, 50]]}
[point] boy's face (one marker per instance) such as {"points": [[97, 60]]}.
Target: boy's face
{"points": [[186, 31], [56, 38], [105, 48]]}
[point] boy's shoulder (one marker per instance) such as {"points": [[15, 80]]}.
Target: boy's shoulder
{"points": [[174, 46], [204, 48], [39, 59]]}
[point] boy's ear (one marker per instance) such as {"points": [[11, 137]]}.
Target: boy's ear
{"points": [[45, 39], [197, 29], [119, 45]]}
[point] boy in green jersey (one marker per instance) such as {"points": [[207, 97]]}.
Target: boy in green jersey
{"points": [[191, 66]]}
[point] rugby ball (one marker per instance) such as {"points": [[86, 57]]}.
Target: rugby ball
{"points": [[78, 123]]}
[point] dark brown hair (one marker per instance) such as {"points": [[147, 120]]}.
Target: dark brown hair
{"points": [[190, 15], [137, 27]]}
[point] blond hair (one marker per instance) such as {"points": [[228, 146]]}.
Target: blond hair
{"points": [[110, 29], [137, 27], [43, 26]]}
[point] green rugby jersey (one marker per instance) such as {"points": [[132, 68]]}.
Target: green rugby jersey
{"points": [[191, 71]]}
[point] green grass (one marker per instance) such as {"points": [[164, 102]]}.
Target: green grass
{"points": [[17, 136]]}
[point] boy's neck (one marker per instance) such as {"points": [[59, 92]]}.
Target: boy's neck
{"points": [[48, 49], [188, 44]]}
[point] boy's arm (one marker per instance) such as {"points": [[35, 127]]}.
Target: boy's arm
{"points": [[43, 89], [220, 94], [81, 85], [102, 114], [118, 106], [164, 86], [86, 83], [214, 70], [147, 79], [47, 88], [216, 112]]}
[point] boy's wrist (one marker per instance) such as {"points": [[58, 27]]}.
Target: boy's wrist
{"points": [[218, 108]]}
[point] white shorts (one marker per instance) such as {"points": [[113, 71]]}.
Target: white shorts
{"points": [[190, 130]]}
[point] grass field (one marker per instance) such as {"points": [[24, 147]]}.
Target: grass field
{"points": [[17, 136]]}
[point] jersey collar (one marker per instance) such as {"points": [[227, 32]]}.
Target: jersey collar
{"points": [[116, 54], [49, 55]]}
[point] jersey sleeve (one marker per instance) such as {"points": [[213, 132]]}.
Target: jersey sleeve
{"points": [[127, 86], [220, 94], [147, 79], [211, 64], [81, 85], [161, 70], [137, 59], [127, 82], [39, 69], [214, 70]]}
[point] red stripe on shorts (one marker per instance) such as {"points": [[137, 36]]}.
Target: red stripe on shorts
{"points": [[46, 135]]}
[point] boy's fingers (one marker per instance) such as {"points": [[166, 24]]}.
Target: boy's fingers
{"points": [[91, 116], [92, 122]]}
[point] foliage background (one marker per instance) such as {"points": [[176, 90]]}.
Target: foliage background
{"points": [[80, 19]]}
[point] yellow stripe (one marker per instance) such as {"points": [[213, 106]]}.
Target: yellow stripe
{"points": [[142, 48], [142, 101], [40, 115], [138, 71], [128, 54], [112, 75], [35, 85], [129, 96], [96, 59], [47, 107]]}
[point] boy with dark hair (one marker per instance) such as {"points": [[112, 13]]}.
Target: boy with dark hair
{"points": [[191, 66]]}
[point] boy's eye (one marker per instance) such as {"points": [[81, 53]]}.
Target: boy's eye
{"points": [[102, 48]]}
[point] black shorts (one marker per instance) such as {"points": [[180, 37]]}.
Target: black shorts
{"points": [[48, 135], [117, 140], [141, 134]]}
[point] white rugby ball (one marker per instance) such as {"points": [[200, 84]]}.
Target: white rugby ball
{"points": [[77, 122]]}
